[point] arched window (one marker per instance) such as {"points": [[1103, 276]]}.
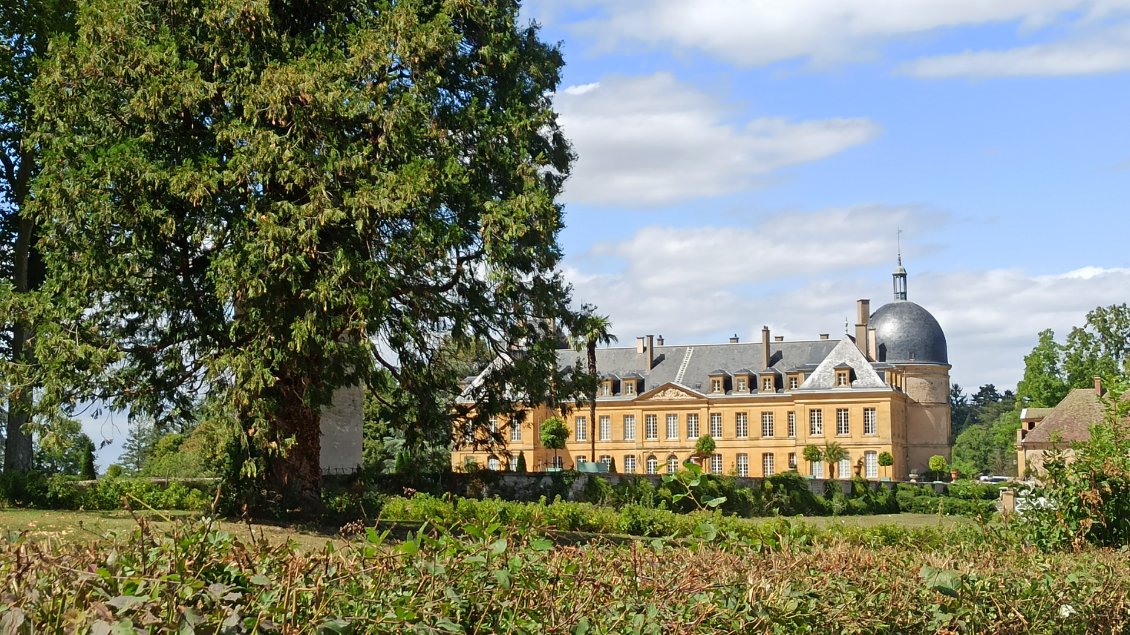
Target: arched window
{"points": [[652, 464], [672, 464]]}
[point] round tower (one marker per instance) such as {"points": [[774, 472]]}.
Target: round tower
{"points": [[909, 338]]}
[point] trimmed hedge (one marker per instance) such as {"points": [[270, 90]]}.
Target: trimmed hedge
{"points": [[35, 490]]}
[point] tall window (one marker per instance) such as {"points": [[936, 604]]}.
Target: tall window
{"points": [[629, 464], [767, 424], [743, 465], [515, 431], [605, 428], [652, 464], [629, 428], [606, 459], [792, 460], [716, 425], [869, 421], [582, 459], [651, 427], [715, 463], [468, 433], [672, 464], [817, 469], [672, 426], [741, 425], [556, 462], [767, 467], [492, 463], [513, 464], [843, 422], [494, 425], [843, 468], [582, 429], [692, 426], [871, 464], [815, 423], [790, 420]]}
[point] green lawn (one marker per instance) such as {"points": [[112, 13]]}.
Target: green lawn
{"points": [[909, 521], [80, 526], [85, 526]]}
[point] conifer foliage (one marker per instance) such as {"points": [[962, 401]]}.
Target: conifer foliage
{"points": [[268, 200]]}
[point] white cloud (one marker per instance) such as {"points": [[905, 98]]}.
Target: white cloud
{"points": [[1076, 57], [650, 141], [1081, 36], [692, 282], [701, 285], [756, 32]]}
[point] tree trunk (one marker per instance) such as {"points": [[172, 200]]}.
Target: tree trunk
{"points": [[27, 274], [18, 454], [297, 475]]}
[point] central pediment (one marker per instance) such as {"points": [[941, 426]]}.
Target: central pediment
{"points": [[670, 392]]}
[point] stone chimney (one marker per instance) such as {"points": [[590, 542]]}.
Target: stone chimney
{"points": [[823, 336], [641, 345], [863, 315], [872, 345], [778, 338], [650, 351], [734, 339], [765, 355], [659, 341], [1098, 386]]}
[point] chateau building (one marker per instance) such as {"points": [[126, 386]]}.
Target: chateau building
{"points": [[883, 389]]}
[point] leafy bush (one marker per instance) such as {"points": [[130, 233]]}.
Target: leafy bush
{"points": [[490, 576], [1086, 494]]}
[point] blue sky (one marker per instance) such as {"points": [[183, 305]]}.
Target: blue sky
{"points": [[747, 162]]}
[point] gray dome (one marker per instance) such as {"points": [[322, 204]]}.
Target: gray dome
{"points": [[905, 332]]}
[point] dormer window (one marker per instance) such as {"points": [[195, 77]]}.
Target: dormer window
{"points": [[742, 382], [629, 386], [606, 388], [843, 378], [794, 381], [767, 384], [718, 381]]}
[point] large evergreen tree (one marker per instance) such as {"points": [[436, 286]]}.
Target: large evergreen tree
{"points": [[269, 200]]}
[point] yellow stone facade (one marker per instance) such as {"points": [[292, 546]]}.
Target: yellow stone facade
{"points": [[632, 433]]}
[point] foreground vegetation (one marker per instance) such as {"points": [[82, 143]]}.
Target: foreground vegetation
{"points": [[490, 576]]}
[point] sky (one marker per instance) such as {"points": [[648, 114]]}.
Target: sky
{"points": [[743, 163]]}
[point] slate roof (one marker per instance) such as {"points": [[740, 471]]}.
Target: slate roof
{"points": [[1070, 420], [906, 332], [706, 359]]}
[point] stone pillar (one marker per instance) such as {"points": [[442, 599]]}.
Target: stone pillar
{"points": [[342, 423]]}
